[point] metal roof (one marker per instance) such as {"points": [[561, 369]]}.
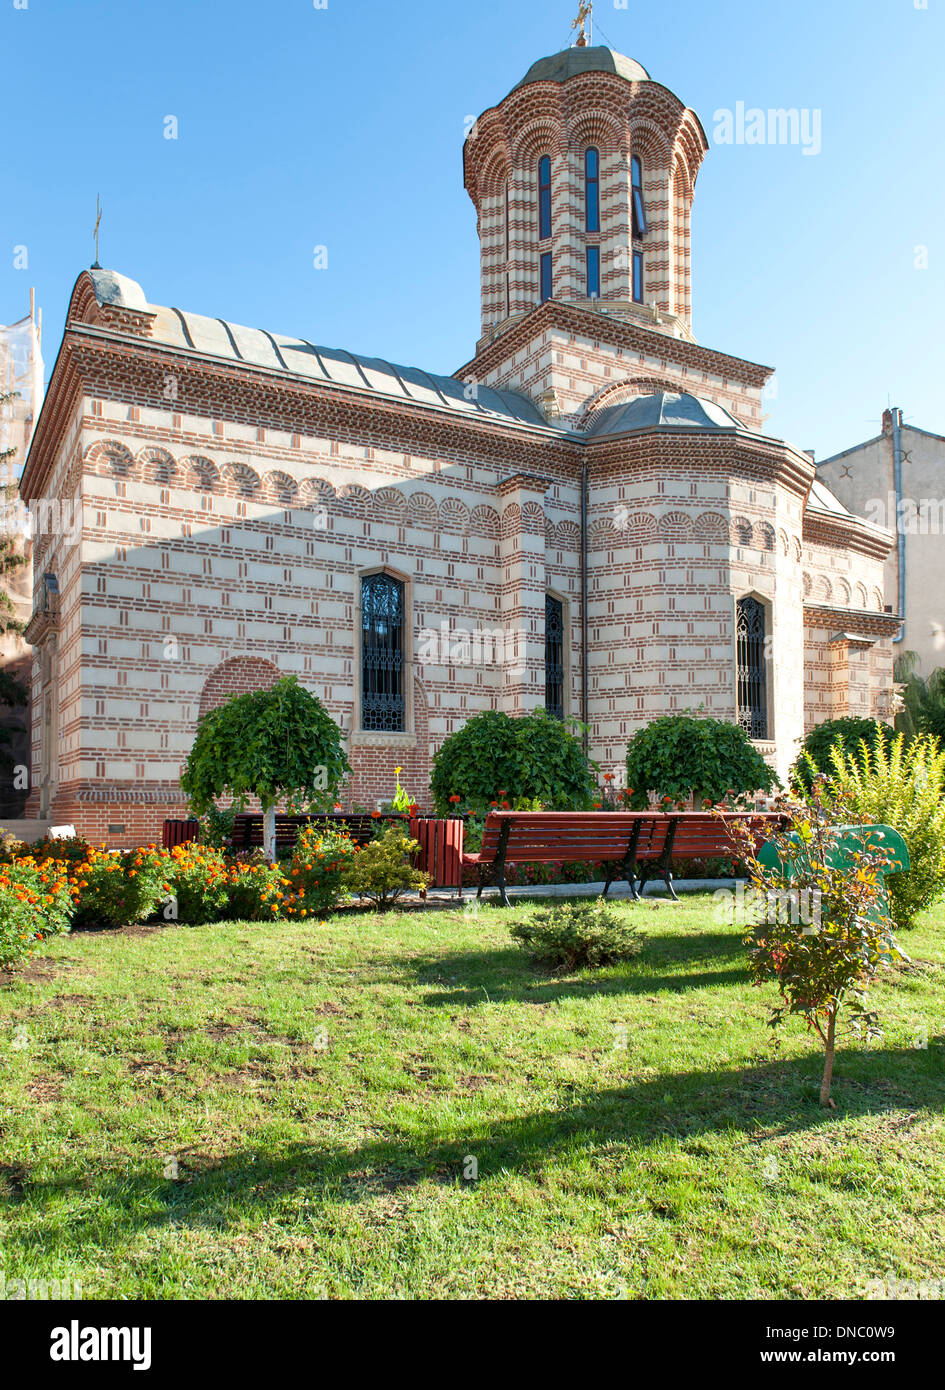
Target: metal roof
{"points": [[256, 347], [570, 62], [663, 410]]}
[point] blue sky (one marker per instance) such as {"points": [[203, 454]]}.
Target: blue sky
{"points": [[343, 125]]}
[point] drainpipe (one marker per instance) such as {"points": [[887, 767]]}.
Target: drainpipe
{"points": [[896, 417], [585, 735]]}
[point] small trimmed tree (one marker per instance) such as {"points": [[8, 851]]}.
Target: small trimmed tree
{"points": [[818, 928], [274, 744], [679, 756], [495, 756], [847, 734]]}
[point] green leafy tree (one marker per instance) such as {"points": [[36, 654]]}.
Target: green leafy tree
{"points": [[903, 785], [495, 757], [817, 925], [680, 756], [817, 748], [274, 744], [923, 701]]}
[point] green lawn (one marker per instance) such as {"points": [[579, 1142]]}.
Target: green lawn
{"points": [[321, 1088]]}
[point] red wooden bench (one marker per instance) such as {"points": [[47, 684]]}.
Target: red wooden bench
{"points": [[620, 840]]}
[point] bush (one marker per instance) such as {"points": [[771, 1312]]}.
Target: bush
{"points": [[382, 870], [680, 756], [314, 882], [197, 882], [36, 902], [252, 883], [571, 936], [116, 889], [815, 751], [817, 927], [495, 758], [902, 786]]}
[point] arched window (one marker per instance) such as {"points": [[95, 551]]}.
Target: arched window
{"points": [[554, 656], [383, 705], [752, 679], [544, 197], [639, 207], [591, 191]]}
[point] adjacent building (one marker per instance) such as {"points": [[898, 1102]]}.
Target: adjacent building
{"points": [[897, 479]]}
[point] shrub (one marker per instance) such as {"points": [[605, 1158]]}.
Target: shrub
{"points": [[902, 786], [197, 882], [314, 882], [251, 886], [495, 758], [815, 751], [381, 871], [680, 756], [216, 827], [35, 903], [817, 929], [116, 889], [572, 935]]}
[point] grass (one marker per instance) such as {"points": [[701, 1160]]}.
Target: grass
{"points": [[291, 1110]]}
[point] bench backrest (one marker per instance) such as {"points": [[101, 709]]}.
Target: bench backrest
{"points": [[361, 826], [592, 837], [599, 837]]}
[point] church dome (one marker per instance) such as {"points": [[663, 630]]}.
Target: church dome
{"points": [[571, 62], [662, 410]]}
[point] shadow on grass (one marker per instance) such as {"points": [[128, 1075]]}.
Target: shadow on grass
{"points": [[504, 974], [741, 1104]]}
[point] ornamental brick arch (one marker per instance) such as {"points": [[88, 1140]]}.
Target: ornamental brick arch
{"points": [[238, 676], [111, 458], [156, 465]]}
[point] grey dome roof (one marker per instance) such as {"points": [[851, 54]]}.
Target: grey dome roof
{"points": [[663, 410], [572, 61]]}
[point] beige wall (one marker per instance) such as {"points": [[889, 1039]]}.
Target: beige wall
{"points": [[862, 478]]}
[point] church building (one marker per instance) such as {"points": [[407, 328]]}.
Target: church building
{"points": [[586, 516]]}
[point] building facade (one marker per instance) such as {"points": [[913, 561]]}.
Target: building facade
{"points": [[587, 516], [898, 481]]}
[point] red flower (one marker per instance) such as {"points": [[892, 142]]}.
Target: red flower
{"points": [[506, 806], [493, 803], [376, 815], [597, 805], [455, 799], [608, 776]]}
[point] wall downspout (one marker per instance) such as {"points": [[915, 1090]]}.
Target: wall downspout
{"points": [[896, 417], [586, 733]]}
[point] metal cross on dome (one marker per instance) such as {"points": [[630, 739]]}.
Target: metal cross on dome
{"points": [[585, 14]]}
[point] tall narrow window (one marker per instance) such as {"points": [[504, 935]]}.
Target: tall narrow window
{"points": [[383, 706], [545, 276], [508, 253], [592, 191], [639, 207], [554, 656], [544, 197], [750, 622], [638, 276], [593, 272]]}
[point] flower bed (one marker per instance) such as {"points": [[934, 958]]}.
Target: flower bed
{"points": [[59, 884]]}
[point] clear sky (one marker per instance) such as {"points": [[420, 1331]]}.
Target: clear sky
{"points": [[342, 126]]}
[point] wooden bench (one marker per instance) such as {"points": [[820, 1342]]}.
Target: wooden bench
{"points": [[361, 826], [620, 840]]}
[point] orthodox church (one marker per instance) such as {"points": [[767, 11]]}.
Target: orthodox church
{"points": [[586, 516]]}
